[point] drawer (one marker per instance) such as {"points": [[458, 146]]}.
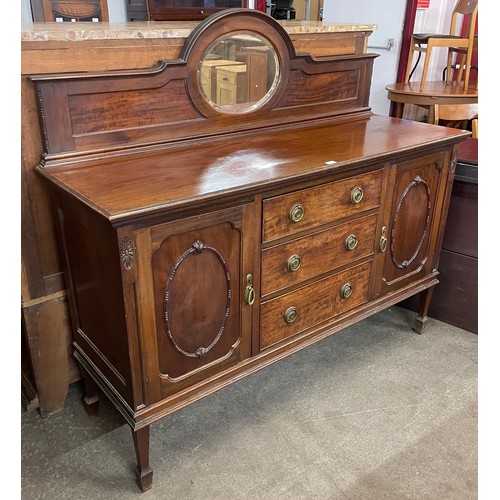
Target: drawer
{"points": [[229, 75], [207, 66], [303, 258], [313, 304], [294, 212]]}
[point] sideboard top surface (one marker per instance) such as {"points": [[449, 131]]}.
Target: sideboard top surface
{"points": [[199, 172]]}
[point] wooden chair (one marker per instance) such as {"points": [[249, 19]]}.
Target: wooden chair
{"points": [[456, 44], [456, 113], [49, 10]]}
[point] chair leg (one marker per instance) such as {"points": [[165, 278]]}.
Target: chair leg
{"points": [[475, 128], [426, 65], [433, 116], [448, 66], [468, 63], [460, 68], [409, 63]]}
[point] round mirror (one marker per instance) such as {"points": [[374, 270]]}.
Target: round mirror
{"points": [[238, 73]]}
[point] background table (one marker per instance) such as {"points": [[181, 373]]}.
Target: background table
{"points": [[432, 94]]}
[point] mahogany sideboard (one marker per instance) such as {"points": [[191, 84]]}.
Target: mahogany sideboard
{"points": [[204, 239], [48, 366]]}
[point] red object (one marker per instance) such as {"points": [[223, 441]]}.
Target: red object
{"points": [[409, 23], [474, 60], [423, 4], [260, 5]]}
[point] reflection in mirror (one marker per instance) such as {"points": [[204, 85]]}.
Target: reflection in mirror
{"points": [[238, 73]]}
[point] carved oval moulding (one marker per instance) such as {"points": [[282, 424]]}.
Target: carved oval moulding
{"points": [[197, 300], [410, 226]]}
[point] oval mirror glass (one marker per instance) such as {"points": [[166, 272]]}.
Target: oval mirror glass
{"points": [[238, 73]]}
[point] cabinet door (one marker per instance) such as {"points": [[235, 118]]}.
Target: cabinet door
{"points": [[190, 298], [411, 230]]}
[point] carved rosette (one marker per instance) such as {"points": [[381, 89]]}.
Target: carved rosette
{"points": [[127, 253], [196, 248], [417, 182]]}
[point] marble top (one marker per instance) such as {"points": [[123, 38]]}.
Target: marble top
{"points": [[33, 32]]}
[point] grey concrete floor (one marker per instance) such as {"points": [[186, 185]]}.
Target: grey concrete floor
{"points": [[373, 412]]}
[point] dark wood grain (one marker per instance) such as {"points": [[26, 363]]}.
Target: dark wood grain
{"points": [[176, 248], [315, 303], [42, 267], [187, 175], [412, 219], [122, 109], [319, 253], [143, 472], [203, 299], [321, 204]]}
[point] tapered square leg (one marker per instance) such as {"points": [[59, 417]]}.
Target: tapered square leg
{"points": [[143, 473], [422, 319], [91, 395]]}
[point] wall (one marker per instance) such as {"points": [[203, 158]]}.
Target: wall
{"points": [[26, 11], [389, 16], [117, 11]]}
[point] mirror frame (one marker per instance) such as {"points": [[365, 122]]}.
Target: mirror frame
{"points": [[247, 106], [223, 25]]}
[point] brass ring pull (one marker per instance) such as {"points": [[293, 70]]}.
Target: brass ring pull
{"points": [[383, 239], [351, 242], [291, 314], [249, 291], [293, 263], [346, 291], [296, 213], [356, 195], [383, 244]]}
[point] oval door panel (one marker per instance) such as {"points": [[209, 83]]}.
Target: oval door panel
{"points": [[197, 315], [411, 223], [194, 317]]}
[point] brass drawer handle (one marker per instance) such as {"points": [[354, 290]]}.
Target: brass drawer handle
{"points": [[249, 291], [296, 213], [291, 314], [346, 291], [351, 242], [293, 263], [383, 239], [356, 195]]}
